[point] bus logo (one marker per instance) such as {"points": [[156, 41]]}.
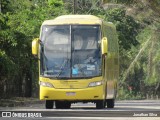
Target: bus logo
{"points": [[6, 114], [71, 86]]}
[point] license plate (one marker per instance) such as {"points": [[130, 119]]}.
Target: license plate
{"points": [[70, 93]]}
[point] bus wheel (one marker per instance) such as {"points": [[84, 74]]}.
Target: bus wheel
{"points": [[62, 105], [100, 104], [110, 103], [58, 105], [67, 105], [49, 104]]}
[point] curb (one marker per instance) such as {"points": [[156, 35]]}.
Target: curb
{"points": [[15, 102]]}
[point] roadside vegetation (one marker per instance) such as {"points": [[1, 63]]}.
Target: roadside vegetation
{"points": [[137, 23]]}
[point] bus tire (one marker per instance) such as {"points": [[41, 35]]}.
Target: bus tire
{"points": [[67, 105], [62, 105], [49, 104], [100, 104], [58, 105], [110, 103]]}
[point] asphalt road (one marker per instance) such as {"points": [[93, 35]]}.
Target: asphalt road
{"points": [[124, 110]]}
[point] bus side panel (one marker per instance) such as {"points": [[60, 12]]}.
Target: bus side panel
{"points": [[111, 61]]}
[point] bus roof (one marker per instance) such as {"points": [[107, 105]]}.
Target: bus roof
{"points": [[74, 19]]}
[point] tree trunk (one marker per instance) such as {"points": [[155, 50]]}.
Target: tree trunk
{"points": [[28, 85]]}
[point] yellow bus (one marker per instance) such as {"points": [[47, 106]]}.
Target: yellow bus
{"points": [[78, 61]]}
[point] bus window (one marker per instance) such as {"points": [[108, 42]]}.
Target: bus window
{"points": [[55, 39], [86, 60], [70, 51]]}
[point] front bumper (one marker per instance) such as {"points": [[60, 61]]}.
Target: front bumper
{"points": [[90, 93]]}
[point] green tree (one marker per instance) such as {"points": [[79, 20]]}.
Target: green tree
{"points": [[20, 23], [126, 26]]}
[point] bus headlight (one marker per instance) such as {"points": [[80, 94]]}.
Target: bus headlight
{"points": [[93, 84], [45, 84]]}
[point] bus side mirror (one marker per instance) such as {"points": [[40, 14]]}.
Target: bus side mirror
{"points": [[35, 44], [104, 45]]}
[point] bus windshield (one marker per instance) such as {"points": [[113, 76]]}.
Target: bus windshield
{"points": [[70, 51]]}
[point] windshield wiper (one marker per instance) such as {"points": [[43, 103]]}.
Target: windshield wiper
{"points": [[62, 66], [55, 77]]}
